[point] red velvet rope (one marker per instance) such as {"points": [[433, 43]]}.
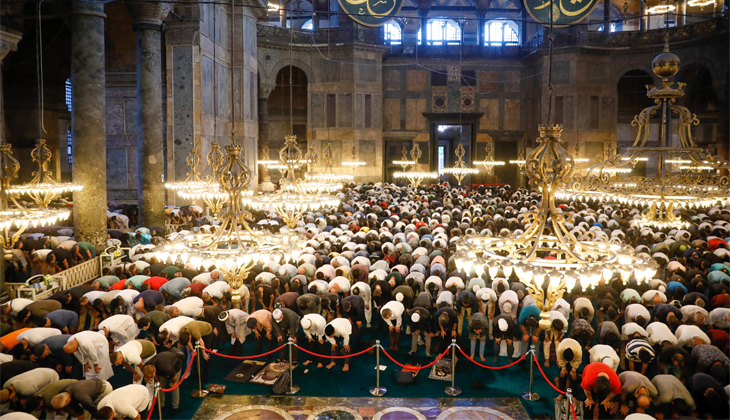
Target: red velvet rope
{"points": [[149, 414], [182, 378], [246, 357], [573, 410], [334, 357], [545, 376], [414, 367], [493, 367]]}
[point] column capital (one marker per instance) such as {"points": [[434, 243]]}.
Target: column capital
{"points": [[9, 42], [149, 15], [265, 90]]}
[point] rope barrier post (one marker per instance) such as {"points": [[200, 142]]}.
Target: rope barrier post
{"points": [[529, 395], [158, 386], [200, 392], [377, 391], [292, 388], [569, 394], [453, 390]]}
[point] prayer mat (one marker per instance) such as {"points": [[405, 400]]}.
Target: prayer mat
{"points": [[243, 372], [441, 371], [269, 374]]}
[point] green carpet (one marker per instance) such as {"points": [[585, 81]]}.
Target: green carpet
{"points": [[506, 383]]}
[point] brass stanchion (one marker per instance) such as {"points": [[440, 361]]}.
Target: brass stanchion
{"points": [[158, 388], [453, 390], [292, 388], [569, 394], [377, 391], [200, 392], [529, 395]]}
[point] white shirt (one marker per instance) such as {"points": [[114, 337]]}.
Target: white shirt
{"points": [[660, 332], [174, 325], [236, 323], [343, 329], [321, 285], [94, 295], [717, 318], [4, 358], [365, 292], [128, 295], [18, 304], [628, 330], [456, 281], [317, 327], [132, 352], [689, 312], [217, 289], [94, 350], [28, 383], [36, 335], [601, 351], [396, 309], [127, 401], [340, 281], [188, 305], [122, 328], [511, 296], [685, 334]]}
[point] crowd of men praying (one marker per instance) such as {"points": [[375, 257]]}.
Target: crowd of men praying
{"points": [[381, 264]]}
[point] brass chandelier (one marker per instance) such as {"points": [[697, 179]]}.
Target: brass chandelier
{"points": [[489, 163], [414, 175], [459, 170], [688, 176], [195, 188], [291, 200], [234, 248]]}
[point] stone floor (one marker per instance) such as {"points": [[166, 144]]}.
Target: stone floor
{"points": [[244, 407]]}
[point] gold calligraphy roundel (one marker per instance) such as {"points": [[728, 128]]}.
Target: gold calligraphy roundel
{"points": [[371, 12], [565, 12]]}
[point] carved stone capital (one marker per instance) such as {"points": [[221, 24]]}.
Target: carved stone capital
{"points": [[9, 42], [265, 90], [149, 15]]}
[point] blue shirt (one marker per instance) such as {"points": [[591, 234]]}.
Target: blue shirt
{"points": [[63, 318]]}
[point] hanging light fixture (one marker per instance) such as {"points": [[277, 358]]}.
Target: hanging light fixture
{"points": [[557, 258], [328, 176], [700, 3], [661, 9], [489, 163], [415, 175], [404, 162], [459, 170], [354, 163], [695, 182]]}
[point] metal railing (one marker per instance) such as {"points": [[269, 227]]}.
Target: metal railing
{"points": [[689, 32], [74, 276]]}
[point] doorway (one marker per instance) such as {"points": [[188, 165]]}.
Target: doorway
{"points": [[447, 139]]}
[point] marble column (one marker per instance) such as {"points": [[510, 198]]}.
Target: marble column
{"points": [[88, 120], [148, 19], [8, 42], [606, 17], [263, 146]]}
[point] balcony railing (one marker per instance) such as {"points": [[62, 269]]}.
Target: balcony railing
{"points": [[374, 36]]}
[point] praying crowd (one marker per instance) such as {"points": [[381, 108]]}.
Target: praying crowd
{"points": [[381, 265]]}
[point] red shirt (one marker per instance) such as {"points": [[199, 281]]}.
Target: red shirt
{"points": [[590, 374], [196, 289], [118, 285], [719, 338], [155, 282]]}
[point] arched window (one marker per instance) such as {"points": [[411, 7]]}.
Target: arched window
{"points": [[308, 25], [613, 28], [501, 32], [393, 33], [69, 140], [443, 32]]}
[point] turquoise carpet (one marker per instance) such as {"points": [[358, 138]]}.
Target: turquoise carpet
{"points": [[507, 383]]}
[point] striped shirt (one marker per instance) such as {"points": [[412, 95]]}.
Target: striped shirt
{"points": [[635, 346]]}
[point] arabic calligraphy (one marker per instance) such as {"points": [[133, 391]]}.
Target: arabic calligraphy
{"points": [[565, 12], [371, 12]]}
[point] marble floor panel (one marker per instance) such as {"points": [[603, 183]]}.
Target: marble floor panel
{"points": [[246, 407]]}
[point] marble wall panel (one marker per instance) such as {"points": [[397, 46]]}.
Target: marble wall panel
{"points": [[512, 81], [366, 152], [488, 81], [391, 80], [206, 76], [344, 110], [414, 114], [512, 117], [490, 119], [114, 117], [391, 114], [416, 80]]}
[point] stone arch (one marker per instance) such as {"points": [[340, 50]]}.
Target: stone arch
{"points": [[641, 64], [708, 64], [271, 71]]}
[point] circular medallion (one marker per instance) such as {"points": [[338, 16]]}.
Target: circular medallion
{"points": [[565, 12], [371, 12]]}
